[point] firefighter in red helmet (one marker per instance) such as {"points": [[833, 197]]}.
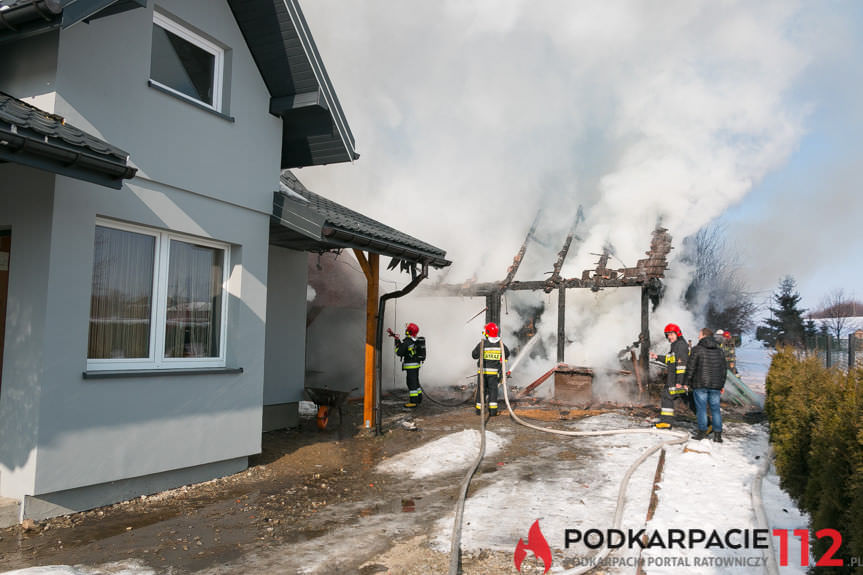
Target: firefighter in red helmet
{"points": [[675, 364], [490, 353], [412, 351]]}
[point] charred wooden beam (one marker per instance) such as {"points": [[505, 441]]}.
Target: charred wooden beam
{"points": [[555, 278], [516, 261]]}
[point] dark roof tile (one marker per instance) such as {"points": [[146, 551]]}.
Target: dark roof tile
{"points": [[26, 117]]}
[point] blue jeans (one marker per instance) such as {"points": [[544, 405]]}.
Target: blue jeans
{"points": [[703, 398]]}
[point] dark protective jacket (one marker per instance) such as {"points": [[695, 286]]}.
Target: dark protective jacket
{"points": [[675, 362], [490, 363], [707, 366], [407, 350]]}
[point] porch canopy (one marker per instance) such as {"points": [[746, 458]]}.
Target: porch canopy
{"points": [[303, 220], [41, 140]]}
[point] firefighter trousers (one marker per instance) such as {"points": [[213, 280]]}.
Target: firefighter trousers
{"points": [[491, 384], [668, 397], [412, 378]]}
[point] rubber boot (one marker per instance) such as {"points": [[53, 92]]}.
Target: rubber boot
{"points": [[717, 436], [699, 435]]}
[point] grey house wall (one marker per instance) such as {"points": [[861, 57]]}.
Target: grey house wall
{"points": [[85, 442], [284, 365], [26, 321]]}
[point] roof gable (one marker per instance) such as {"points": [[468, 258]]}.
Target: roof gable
{"points": [[315, 130]]}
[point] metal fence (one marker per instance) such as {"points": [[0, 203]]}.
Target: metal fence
{"points": [[837, 352]]}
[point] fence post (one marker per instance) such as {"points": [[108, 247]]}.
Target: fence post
{"points": [[852, 348], [829, 359]]}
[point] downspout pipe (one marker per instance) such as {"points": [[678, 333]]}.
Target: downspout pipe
{"points": [[379, 337]]}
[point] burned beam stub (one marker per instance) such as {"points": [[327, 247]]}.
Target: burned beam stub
{"points": [[650, 268]]}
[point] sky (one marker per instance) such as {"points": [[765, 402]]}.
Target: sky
{"points": [[470, 116]]}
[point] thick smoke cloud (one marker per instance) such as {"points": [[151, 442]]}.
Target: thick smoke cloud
{"points": [[471, 116]]}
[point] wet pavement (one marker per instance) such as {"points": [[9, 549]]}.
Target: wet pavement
{"points": [[311, 502]]}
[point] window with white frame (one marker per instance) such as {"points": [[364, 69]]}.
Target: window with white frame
{"points": [[158, 300], [186, 64]]}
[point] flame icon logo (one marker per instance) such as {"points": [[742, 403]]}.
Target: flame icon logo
{"points": [[535, 542]]}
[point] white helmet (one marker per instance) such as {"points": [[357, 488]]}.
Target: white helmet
{"points": [[720, 332]]}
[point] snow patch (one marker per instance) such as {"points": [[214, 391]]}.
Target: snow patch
{"points": [[132, 567], [453, 452]]}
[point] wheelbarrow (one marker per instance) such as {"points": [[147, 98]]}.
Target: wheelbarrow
{"points": [[327, 400]]}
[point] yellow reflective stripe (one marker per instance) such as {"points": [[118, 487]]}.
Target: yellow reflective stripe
{"points": [[669, 358], [488, 371], [415, 393], [681, 370], [411, 366], [666, 412], [479, 406], [492, 405], [492, 354]]}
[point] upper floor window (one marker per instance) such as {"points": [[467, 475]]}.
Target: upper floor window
{"points": [[185, 63]]}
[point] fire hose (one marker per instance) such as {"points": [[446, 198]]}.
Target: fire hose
{"points": [[455, 542], [676, 438]]}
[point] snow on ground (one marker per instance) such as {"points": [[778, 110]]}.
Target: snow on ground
{"points": [[131, 567], [705, 486], [450, 453], [562, 484]]}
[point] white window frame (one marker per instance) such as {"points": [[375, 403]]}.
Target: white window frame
{"points": [[159, 306], [218, 65]]}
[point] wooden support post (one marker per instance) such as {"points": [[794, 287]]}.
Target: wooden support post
{"points": [[561, 322], [852, 349], [492, 308], [371, 268], [645, 333]]}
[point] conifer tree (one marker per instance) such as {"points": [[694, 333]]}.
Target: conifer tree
{"points": [[785, 324]]}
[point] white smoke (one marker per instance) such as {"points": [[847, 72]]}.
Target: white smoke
{"points": [[472, 116]]}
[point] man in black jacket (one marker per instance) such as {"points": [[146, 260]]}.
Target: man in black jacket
{"points": [[705, 373]]}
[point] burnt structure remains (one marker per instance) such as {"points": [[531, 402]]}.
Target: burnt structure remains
{"points": [[647, 274]]}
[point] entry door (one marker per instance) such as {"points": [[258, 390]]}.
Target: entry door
{"points": [[5, 244]]}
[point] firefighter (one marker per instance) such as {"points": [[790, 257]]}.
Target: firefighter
{"points": [[412, 352], [726, 344], [489, 365], [675, 364]]}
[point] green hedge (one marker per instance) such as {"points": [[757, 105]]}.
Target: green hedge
{"points": [[816, 428]]}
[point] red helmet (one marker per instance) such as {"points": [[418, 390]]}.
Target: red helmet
{"points": [[491, 329], [412, 329], [727, 334], [673, 328]]}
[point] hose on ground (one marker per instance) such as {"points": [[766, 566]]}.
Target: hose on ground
{"points": [[760, 516], [676, 437], [455, 542]]}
